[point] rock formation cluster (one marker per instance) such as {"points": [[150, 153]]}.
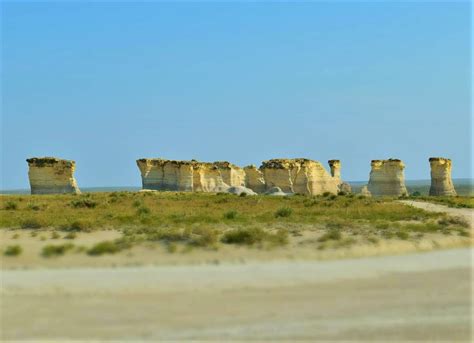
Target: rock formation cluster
{"points": [[299, 175], [441, 182], [387, 178], [50, 175]]}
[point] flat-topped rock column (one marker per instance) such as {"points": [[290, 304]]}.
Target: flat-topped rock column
{"points": [[387, 178], [51, 175], [441, 182]]}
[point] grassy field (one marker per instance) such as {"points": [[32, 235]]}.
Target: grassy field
{"points": [[185, 221]]}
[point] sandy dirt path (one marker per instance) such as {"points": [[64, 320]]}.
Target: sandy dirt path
{"points": [[425, 296], [465, 213]]}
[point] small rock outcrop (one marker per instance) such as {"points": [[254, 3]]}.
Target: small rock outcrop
{"points": [[387, 178], [441, 182], [51, 175], [364, 191], [298, 175], [254, 179]]}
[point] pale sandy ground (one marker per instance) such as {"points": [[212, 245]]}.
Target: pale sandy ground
{"points": [[414, 297], [423, 297]]}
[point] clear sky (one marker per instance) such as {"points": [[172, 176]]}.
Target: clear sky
{"points": [[107, 83]]}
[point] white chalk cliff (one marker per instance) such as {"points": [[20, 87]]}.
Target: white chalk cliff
{"points": [[51, 175], [298, 175]]}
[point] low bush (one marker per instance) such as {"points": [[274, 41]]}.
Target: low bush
{"points": [[83, 203], [143, 210], [251, 236], [32, 223], [230, 214], [247, 236], [13, 250], [10, 206], [108, 247], [333, 235], [70, 235], [77, 225], [34, 207], [56, 250], [283, 212], [402, 235]]}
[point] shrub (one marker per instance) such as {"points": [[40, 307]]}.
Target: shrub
{"points": [[77, 225], [203, 237], [330, 235], [55, 235], [143, 210], [34, 207], [56, 250], [31, 223], [230, 214], [284, 212], [243, 194], [453, 221], [15, 236], [13, 250], [416, 194], [402, 235], [70, 235], [248, 236], [137, 203], [108, 247], [83, 203], [326, 194], [10, 205]]}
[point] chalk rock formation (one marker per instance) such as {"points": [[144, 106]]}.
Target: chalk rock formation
{"points": [[232, 175], [207, 178], [335, 166], [365, 192], [166, 175], [344, 187], [239, 190], [387, 178], [254, 179], [276, 191], [298, 176], [441, 182], [182, 176], [50, 175]]}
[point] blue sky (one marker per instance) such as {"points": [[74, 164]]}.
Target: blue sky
{"points": [[107, 83]]}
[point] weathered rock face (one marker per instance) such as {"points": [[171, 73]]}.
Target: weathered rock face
{"points": [[207, 178], [166, 175], [232, 175], [181, 176], [441, 182], [387, 178], [254, 179], [298, 176], [50, 175]]}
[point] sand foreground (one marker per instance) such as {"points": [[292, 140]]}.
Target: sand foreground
{"points": [[424, 296]]}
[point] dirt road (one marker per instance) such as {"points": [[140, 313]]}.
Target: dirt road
{"points": [[411, 297], [465, 213]]}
